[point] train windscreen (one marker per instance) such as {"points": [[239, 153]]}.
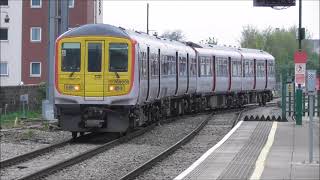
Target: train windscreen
{"points": [[118, 57]]}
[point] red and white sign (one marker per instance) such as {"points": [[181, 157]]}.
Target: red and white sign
{"points": [[300, 71], [300, 57], [300, 68], [300, 79]]}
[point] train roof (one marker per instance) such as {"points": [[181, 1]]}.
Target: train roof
{"points": [[206, 49], [255, 53], [167, 45], [96, 30]]}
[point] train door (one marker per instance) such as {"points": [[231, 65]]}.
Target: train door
{"points": [[266, 73], [159, 75], [94, 73], [188, 71], [177, 73], [230, 71], [214, 73], [254, 74], [148, 71]]}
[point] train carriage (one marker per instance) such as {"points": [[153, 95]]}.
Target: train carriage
{"points": [[108, 79]]}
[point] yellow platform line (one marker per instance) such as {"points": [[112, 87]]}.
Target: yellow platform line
{"points": [[264, 153]]}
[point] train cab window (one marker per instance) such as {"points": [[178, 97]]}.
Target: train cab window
{"points": [[118, 57], [94, 57], [70, 57]]}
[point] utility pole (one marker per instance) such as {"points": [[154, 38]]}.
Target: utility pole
{"points": [[55, 6], [147, 18], [300, 22]]}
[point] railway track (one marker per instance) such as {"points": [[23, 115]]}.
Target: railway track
{"points": [[151, 162], [47, 170], [72, 160], [36, 153]]}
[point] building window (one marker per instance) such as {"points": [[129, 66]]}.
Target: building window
{"points": [[71, 3], [3, 34], [36, 3], [3, 2], [35, 69], [4, 69], [35, 34]]}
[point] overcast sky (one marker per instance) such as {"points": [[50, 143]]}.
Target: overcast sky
{"points": [[200, 19]]}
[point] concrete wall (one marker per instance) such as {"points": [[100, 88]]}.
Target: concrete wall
{"points": [[10, 95], [11, 49]]}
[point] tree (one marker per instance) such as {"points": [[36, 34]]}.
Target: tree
{"points": [[212, 41], [281, 43], [174, 35]]}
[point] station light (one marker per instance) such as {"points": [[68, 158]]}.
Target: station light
{"points": [[271, 3]]}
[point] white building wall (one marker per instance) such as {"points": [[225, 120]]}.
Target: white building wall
{"points": [[10, 51], [98, 12]]}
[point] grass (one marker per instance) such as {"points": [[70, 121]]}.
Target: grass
{"points": [[8, 120]]}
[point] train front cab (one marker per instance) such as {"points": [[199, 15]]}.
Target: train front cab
{"points": [[93, 79]]}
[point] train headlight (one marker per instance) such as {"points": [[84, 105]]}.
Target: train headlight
{"points": [[115, 88], [111, 88], [72, 87], [76, 87]]}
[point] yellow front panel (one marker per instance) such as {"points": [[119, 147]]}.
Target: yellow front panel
{"points": [[94, 72], [79, 80]]}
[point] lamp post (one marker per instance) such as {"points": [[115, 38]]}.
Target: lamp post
{"points": [[6, 19], [300, 22]]}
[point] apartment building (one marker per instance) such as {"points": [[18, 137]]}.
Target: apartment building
{"points": [[24, 38], [10, 42]]}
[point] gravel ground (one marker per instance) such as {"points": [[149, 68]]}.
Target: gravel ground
{"points": [[28, 167], [121, 159], [173, 165], [20, 141], [215, 130]]}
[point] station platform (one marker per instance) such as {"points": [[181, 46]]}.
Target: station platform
{"points": [[260, 150]]}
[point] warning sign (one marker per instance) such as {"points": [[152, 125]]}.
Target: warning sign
{"points": [[300, 79], [300, 68], [300, 71], [290, 89]]}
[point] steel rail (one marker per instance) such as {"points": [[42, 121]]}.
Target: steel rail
{"points": [[33, 154], [136, 172], [85, 155]]}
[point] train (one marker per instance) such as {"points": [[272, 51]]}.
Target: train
{"points": [[110, 79]]}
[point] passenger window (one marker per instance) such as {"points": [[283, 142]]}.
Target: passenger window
{"points": [[94, 57], [118, 57], [70, 57]]}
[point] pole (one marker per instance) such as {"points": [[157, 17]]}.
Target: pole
{"points": [[284, 94], [64, 16], [52, 10], [298, 105], [49, 95], [300, 22], [147, 18], [311, 128]]}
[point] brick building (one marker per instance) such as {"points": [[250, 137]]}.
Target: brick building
{"points": [[35, 34], [24, 38]]}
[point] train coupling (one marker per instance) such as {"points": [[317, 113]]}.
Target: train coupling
{"points": [[94, 123], [94, 117]]}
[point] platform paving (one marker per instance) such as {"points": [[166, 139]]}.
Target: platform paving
{"points": [[287, 158], [289, 155]]}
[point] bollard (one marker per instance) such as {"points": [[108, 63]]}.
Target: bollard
{"points": [[284, 94], [298, 105], [303, 104]]}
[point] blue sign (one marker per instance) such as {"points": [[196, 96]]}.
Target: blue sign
{"points": [[311, 80]]}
